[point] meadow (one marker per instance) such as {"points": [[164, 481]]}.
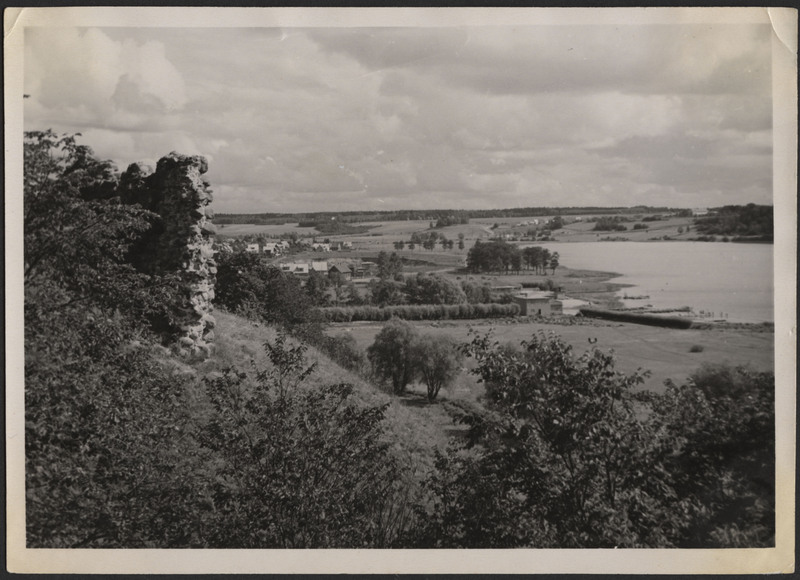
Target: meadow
{"points": [[666, 353]]}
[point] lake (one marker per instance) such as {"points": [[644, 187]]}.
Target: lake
{"points": [[728, 280]]}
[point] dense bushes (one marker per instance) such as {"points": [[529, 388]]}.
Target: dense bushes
{"points": [[419, 312], [572, 455], [126, 447], [749, 220], [433, 289], [103, 425], [306, 469], [248, 286]]}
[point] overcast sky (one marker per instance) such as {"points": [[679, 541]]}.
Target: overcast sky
{"points": [[316, 119]]}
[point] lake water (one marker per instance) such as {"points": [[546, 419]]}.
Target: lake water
{"points": [[732, 281]]}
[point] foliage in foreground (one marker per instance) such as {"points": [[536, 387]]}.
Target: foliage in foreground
{"points": [[126, 447], [572, 456], [122, 453], [297, 468]]}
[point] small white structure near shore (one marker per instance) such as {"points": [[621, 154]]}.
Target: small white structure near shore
{"points": [[537, 303]]}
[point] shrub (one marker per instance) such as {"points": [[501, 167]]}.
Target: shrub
{"points": [[697, 348], [306, 469], [252, 288], [572, 455], [718, 440]]}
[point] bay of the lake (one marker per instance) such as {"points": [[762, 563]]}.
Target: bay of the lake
{"points": [[723, 280]]}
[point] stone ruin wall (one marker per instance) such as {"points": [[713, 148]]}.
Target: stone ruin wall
{"points": [[183, 240]]}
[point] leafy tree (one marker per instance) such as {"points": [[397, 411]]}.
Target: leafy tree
{"points": [[316, 288], [433, 289], [103, 422], [554, 262], [568, 447], [717, 435], [477, 293], [572, 456], [351, 295], [252, 288], [385, 292], [392, 355], [460, 241], [389, 266], [438, 361], [494, 256]]}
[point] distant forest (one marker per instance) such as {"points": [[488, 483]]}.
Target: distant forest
{"points": [[429, 214], [742, 221]]}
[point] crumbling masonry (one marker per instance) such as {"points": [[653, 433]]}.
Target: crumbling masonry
{"points": [[182, 241]]}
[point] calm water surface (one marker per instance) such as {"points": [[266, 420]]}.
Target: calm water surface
{"points": [[732, 281]]}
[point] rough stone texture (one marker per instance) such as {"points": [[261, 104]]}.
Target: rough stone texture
{"points": [[182, 239]]}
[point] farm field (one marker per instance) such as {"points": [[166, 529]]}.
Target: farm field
{"points": [[382, 235], [664, 352], [235, 230]]}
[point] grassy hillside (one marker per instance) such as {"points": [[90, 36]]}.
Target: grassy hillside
{"points": [[413, 427]]}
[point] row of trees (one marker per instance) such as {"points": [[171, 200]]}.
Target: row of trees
{"points": [[429, 241], [420, 312], [430, 289], [502, 257]]}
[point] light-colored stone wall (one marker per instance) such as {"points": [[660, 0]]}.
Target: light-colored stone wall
{"points": [[182, 240]]}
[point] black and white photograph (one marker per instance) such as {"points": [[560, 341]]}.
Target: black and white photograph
{"points": [[401, 290]]}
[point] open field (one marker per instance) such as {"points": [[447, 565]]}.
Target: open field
{"points": [[382, 235], [235, 230], [664, 352]]}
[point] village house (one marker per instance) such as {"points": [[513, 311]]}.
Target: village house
{"points": [[536, 303], [320, 247], [297, 268], [340, 246], [343, 271], [252, 248], [320, 267]]}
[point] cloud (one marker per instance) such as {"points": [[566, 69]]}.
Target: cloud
{"points": [[384, 118], [84, 76]]}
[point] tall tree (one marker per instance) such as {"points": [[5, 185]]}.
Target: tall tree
{"points": [[393, 356], [438, 361]]}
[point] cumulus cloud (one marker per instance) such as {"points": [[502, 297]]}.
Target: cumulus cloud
{"points": [[83, 76], [384, 118]]}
